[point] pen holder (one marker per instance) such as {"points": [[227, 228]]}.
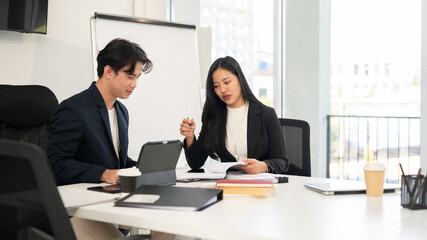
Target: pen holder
{"points": [[413, 192]]}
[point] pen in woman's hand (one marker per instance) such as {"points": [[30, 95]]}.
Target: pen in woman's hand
{"points": [[190, 124], [188, 118]]}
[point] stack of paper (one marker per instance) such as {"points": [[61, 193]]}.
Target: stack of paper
{"points": [[246, 187]]}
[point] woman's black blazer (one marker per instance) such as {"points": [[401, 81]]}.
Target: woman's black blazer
{"points": [[265, 141]]}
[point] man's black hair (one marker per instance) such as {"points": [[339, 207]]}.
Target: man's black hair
{"points": [[120, 53]]}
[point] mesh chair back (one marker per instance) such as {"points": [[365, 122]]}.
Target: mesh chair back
{"points": [[296, 134]]}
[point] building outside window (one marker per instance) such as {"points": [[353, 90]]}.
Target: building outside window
{"points": [[243, 30], [389, 46]]}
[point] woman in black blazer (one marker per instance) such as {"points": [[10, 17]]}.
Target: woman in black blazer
{"points": [[235, 125]]}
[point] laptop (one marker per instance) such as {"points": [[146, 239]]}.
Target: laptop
{"points": [[157, 162], [346, 187]]}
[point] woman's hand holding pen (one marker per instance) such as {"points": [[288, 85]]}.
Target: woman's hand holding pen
{"points": [[254, 166], [187, 130]]}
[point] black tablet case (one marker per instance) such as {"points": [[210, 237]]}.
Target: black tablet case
{"points": [[157, 162]]}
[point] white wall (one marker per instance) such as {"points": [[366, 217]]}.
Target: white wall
{"points": [[188, 12], [423, 85], [60, 60], [307, 72], [155, 9]]}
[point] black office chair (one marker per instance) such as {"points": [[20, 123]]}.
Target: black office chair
{"points": [[296, 134], [30, 205], [25, 111]]}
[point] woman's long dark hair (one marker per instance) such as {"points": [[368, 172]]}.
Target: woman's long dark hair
{"points": [[214, 115]]}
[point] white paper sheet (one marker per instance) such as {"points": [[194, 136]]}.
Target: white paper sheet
{"points": [[221, 167]]}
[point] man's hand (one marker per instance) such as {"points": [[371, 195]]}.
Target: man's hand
{"points": [[254, 166], [110, 176]]}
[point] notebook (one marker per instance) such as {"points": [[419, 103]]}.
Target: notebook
{"points": [[346, 187], [157, 162], [246, 187]]}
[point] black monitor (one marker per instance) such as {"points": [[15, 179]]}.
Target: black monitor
{"points": [[28, 16]]}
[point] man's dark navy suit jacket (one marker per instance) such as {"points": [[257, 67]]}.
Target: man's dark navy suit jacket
{"points": [[80, 146]]}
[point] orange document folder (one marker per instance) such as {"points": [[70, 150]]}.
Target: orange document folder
{"points": [[246, 187]]}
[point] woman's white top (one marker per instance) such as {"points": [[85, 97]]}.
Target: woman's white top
{"points": [[112, 115], [237, 131]]}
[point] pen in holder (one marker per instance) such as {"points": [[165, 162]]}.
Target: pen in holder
{"points": [[413, 192]]}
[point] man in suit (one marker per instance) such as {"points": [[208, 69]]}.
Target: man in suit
{"points": [[88, 139]]}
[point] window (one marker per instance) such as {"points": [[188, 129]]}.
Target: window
{"points": [[377, 119], [386, 69], [241, 29], [380, 48], [262, 92]]}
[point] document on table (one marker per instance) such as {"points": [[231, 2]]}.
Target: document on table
{"points": [[221, 167], [216, 170], [185, 176]]}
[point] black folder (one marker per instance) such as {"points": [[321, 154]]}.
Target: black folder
{"points": [[171, 197]]}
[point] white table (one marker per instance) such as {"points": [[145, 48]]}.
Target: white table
{"points": [[291, 212]]}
